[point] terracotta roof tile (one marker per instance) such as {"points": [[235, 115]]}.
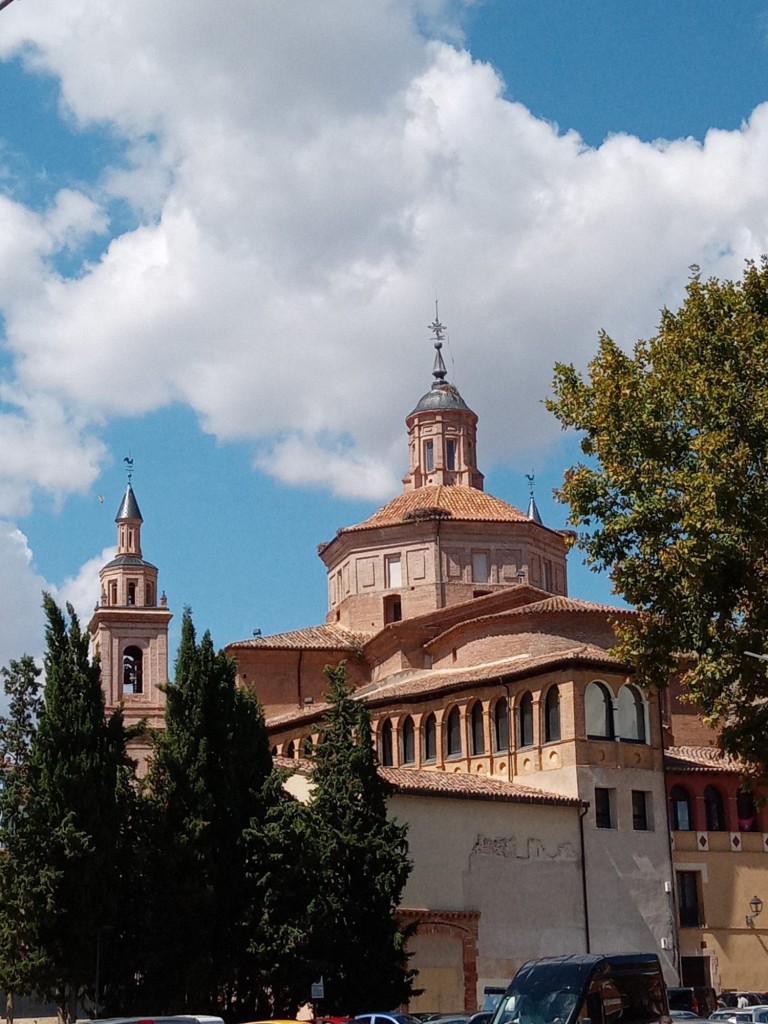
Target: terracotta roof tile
{"points": [[462, 784], [548, 606], [556, 604], [312, 638], [697, 759], [295, 716], [458, 502], [428, 682], [452, 784]]}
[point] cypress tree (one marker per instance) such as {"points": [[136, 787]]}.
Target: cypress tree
{"points": [[22, 890], [206, 789], [72, 828], [358, 947]]}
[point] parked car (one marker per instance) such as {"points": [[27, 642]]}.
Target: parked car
{"points": [[732, 1015], [150, 1019], [752, 998], [699, 999], [387, 1018], [747, 1015], [685, 1015], [557, 989]]}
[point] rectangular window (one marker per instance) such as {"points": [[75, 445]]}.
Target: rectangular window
{"points": [[640, 822], [479, 567], [603, 807], [450, 455], [429, 456], [393, 571], [547, 575], [688, 902]]}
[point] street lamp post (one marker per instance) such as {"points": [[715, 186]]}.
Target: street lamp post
{"points": [[100, 931]]}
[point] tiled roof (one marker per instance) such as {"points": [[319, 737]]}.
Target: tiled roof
{"points": [[295, 716], [462, 784], [548, 606], [312, 638], [451, 784], [568, 604], [698, 759], [457, 502], [428, 682]]}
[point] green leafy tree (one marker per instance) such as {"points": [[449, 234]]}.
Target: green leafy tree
{"points": [[672, 498], [22, 890], [363, 866], [206, 787], [70, 826], [276, 976]]}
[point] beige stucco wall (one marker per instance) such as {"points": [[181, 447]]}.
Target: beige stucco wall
{"points": [[516, 865], [731, 874]]}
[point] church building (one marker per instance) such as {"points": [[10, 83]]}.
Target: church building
{"points": [[552, 805], [527, 765]]}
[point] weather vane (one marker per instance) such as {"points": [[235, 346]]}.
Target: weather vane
{"points": [[530, 477], [437, 328], [128, 466]]}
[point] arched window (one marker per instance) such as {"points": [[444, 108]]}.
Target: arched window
{"points": [[552, 715], [598, 711], [131, 593], [525, 720], [746, 811], [476, 724], [501, 725], [407, 741], [680, 809], [453, 733], [385, 744], [133, 675], [631, 714], [714, 809], [306, 747], [430, 738], [290, 750]]}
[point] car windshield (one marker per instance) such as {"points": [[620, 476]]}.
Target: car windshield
{"points": [[547, 995]]}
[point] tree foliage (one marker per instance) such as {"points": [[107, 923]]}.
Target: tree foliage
{"points": [[22, 889], [70, 806], [206, 785], [363, 865], [673, 496]]}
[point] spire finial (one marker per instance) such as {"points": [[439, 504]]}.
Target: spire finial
{"points": [[439, 371], [533, 511], [128, 466]]}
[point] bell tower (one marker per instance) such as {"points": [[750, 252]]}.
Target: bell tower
{"points": [[442, 432], [129, 627]]}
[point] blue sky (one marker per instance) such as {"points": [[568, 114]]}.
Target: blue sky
{"points": [[224, 228]]}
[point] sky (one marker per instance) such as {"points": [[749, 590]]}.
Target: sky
{"points": [[224, 226]]}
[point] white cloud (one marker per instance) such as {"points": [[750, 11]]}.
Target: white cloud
{"points": [[308, 177], [300, 463], [82, 590], [21, 598]]}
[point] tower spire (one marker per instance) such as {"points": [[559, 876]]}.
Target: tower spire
{"points": [[441, 431], [439, 371], [533, 511]]}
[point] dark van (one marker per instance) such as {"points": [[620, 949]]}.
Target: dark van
{"points": [[626, 988], [699, 999]]}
